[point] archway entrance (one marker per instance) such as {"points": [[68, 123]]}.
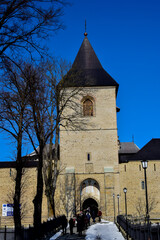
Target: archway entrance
{"points": [[90, 195], [92, 204]]}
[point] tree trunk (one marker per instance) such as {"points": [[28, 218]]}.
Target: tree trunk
{"points": [[38, 198], [56, 171], [52, 203], [17, 195]]}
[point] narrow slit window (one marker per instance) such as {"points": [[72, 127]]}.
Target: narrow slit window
{"points": [[142, 184], [125, 168], [139, 167], [154, 167], [88, 157]]}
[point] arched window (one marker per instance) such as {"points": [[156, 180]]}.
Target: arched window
{"points": [[87, 107]]}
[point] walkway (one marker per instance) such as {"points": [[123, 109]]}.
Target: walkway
{"points": [[73, 236], [104, 231]]}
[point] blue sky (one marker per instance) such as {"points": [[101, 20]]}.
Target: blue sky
{"points": [[126, 38]]}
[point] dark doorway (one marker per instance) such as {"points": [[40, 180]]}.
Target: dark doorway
{"points": [[92, 204]]}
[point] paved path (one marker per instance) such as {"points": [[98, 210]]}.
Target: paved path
{"points": [[73, 236]]}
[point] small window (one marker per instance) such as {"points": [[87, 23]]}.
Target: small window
{"points": [[125, 168], [139, 167], [10, 172], [87, 107], [142, 184], [154, 167], [88, 156]]}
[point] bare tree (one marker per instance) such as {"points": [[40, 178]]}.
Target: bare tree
{"points": [[35, 103], [24, 102], [141, 207], [39, 127], [43, 109], [14, 97], [24, 107], [61, 101], [24, 23]]}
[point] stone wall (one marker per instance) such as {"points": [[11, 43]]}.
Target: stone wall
{"points": [[131, 177], [7, 184]]}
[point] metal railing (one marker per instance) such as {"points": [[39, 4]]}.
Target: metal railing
{"points": [[139, 231], [47, 228]]}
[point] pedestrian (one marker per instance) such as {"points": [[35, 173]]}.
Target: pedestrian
{"points": [[99, 215], [83, 219], [88, 217], [79, 225], [71, 225], [93, 216], [64, 224]]}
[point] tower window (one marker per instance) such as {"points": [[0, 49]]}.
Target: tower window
{"points": [[139, 167], [154, 167], [88, 156], [87, 107], [125, 168], [142, 184]]}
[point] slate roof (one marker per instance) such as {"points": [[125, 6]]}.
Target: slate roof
{"points": [[126, 151], [151, 151], [128, 148], [89, 69]]}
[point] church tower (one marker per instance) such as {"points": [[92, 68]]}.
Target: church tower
{"points": [[89, 152]]}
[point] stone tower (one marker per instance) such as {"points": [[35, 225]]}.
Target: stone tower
{"points": [[89, 152]]}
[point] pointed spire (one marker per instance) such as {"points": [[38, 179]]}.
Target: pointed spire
{"points": [[89, 68], [85, 34]]}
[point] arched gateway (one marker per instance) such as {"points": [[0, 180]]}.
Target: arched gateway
{"points": [[91, 204], [90, 195]]}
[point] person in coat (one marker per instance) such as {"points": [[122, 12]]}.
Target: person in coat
{"points": [[79, 225], [64, 224], [71, 225]]}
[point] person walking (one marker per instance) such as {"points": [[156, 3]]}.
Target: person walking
{"points": [[93, 216], [99, 215], [79, 225], [88, 215], [71, 225], [64, 225]]}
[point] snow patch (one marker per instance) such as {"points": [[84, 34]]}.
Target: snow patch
{"points": [[103, 231]]}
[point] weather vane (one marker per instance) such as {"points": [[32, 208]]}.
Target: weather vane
{"points": [[85, 34]]}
